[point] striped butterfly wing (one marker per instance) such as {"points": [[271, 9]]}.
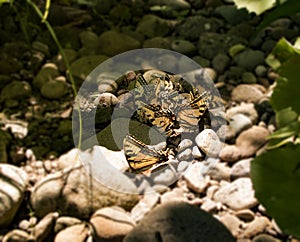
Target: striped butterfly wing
{"points": [[141, 158], [192, 112]]}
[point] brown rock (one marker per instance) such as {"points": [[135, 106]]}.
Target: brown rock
{"points": [[258, 225], [75, 233], [247, 93]]}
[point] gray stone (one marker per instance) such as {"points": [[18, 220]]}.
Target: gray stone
{"points": [[239, 123], [185, 155], [247, 93], [220, 62], [184, 144], [188, 223], [193, 27], [184, 47], [15, 90], [195, 179], [237, 195], [13, 182], [112, 43], [232, 14], [248, 78], [70, 190], [208, 141], [241, 168], [197, 153], [250, 59], [54, 89], [153, 26], [246, 109], [219, 171], [157, 42], [111, 224], [83, 66]]}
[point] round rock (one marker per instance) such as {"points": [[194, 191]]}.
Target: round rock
{"points": [[208, 141]]}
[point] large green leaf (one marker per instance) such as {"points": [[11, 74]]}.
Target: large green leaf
{"points": [[256, 6], [276, 179], [286, 92], [286, 9]]}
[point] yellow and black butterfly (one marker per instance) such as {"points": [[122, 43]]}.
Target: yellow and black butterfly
{"points": [[140, 157]]}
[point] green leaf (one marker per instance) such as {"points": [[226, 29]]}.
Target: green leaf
{"points": [[276, 179], [286, 9], [256, 6], [285, 117], [286, 92]]}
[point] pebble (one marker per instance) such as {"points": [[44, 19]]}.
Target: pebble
{"points": [[239, 123], [184, 144], [195, 179], [237, 195], [64, 222], [265, 238], [220, 62], [211, 190], [245, 215], [16, 235], [219, 171], [233, 223], [13, 182], [241, 169], [54, 89], [157, 42], [247, 93], [108, 86], [249, 59], [185, 155], [208, 205], [258, 225], [208, 141], [232, 14], [153, 26], [189, 223], [107, 99], [184, 47], [111, 224], [261, 71], [75, 233], [45, 227], [175, 195], [15, 90], [247, 109], [249, 78], [148, 201], [197, 153], [48, 72]]}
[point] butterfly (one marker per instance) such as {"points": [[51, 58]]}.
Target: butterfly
{"points": [[140, 157]]}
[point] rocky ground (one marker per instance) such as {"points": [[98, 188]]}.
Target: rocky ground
{"points": [[46, 192]]}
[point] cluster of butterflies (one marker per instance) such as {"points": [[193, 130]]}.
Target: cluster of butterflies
{"points": [[163, 101]]}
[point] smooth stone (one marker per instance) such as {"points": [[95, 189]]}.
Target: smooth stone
{"points": [[189, 223], [70, 190], [89, 40], [184, 47], [54, 89], [108, 86], [229, 133], [165, 177], [13, 183], [245, 215], [112, 43], [75, 233], [111, 224], [48, 72], [153, 26], [208, 141], [175, 5], [69, 159], [45, 227], [232, 14], [219, 171], [250, 59], [194, 26], [16, 235], [248, 78], [237, 195], [64, 222], [9, 65], [175, 195], [185, 155], [239, 123], [195, 179], [41, 47], [241, 169], [157, 42], [184, 144], [265, 238], [144, 206], [251, 140], [232, 223], [83, 66], [220, 62], [15, 90], [197, 153], [71, 56], [258, 225], [201, 61], [107, 99], [247, 93], [230, 153], [246, 109], [209, 205]]}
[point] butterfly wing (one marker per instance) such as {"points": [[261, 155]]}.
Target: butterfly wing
{"points": [[139, 156]]}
